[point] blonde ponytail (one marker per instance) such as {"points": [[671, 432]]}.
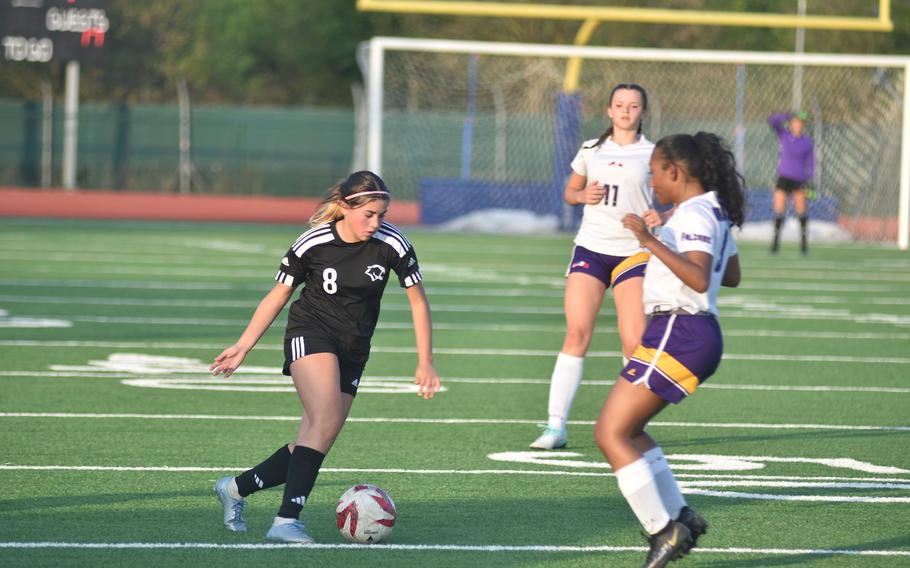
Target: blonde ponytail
{"points": [[330, 208]]}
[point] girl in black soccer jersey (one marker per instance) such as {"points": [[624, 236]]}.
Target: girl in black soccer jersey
{"points": [[344, 263]]}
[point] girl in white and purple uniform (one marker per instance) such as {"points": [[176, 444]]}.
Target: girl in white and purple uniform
{"points": [[682, 344], [610, 178]]}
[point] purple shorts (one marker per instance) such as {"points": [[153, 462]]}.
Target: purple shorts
{"points": [[608, 269], [677, 353]]}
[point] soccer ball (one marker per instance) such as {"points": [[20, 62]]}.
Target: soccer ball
{"points": [[365, 513]]}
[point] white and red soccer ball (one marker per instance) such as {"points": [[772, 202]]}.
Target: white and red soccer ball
{"points": [[365, 513]]}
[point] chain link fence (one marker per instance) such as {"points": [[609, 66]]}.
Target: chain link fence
{"points": [[461, 124]]}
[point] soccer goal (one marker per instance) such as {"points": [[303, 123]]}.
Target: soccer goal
{"points": [[466, 126]]}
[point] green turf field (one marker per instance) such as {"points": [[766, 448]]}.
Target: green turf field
{"points": [[797, 451]]}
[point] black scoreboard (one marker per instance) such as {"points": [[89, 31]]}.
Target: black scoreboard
{"points": [[58, 30]]}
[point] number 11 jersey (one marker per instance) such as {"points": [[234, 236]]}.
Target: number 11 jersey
{"points": [[625, 175]]}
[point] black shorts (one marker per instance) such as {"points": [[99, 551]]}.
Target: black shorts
{"points": [[351, 361], [790, 185]]}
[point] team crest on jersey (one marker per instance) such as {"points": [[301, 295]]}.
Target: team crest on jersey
{"points": [[375, 272]]}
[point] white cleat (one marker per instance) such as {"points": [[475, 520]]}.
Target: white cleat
{"points": [[551, 439], [233, 508], [290, 532]]}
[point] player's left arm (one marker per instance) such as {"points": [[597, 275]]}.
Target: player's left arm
{"points": [[425, 377], [810, 165], [733, 274]]}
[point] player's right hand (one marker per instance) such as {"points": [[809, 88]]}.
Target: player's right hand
{"points": [[638, 227], [228, 361], [427, 381], [593, 193], [653, 219]]}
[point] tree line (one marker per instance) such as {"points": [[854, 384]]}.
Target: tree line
{"points": [[302, 52]]}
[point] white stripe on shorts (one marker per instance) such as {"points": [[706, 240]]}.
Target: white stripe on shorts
{"points": [[571, 258], [657, 354], [297, 349]]}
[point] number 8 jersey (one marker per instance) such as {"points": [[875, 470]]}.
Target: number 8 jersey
{"points": [[343, 282], [624, 173]]}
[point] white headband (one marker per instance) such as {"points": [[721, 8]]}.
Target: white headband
{"points": [[358, 194]]}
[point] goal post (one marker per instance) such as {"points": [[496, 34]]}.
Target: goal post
{"points": [[468, 124]]}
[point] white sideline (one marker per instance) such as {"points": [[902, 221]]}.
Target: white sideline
{"points": [[442, 547], [355, 419]]}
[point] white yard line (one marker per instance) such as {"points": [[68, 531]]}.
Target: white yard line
{"points": [[380, 548], [874, 319], [500, 274], [202, 379], [446, 326], [708, 478], [843, 271], [758, 310], [355, 419], [695, 486], [509, 290], [129, 284], [146, 258]]}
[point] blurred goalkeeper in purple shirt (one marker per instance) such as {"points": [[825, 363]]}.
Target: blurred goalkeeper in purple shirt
{"points": [[795, 169]]}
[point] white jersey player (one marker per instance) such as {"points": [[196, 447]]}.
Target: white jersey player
{"points": [[682, 345], [610, 178]]}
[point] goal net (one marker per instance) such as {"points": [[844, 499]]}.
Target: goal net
{"points": [[477, 126]]}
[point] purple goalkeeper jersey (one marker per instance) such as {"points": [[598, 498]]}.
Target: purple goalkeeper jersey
{"points": [[797, 158]]}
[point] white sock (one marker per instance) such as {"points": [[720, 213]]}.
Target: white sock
{"points": [[563, 386], [666, 482], [282, 521], [636, 482], [232, 489]]}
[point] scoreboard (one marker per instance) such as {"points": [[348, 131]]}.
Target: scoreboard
{"points": [[52, 30]]}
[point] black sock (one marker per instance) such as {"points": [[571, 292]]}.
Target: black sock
{"points": [[273, 471], [803, 234], [778, 222], [302, 471]]}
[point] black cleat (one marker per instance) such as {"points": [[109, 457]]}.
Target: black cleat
{"points": [[673, 541], [696, 524]]}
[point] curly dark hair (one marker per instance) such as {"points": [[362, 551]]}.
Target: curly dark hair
{"points": [[708, 159]]}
